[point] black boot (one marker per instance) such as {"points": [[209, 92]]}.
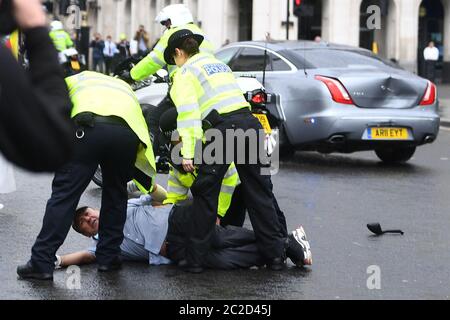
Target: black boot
{"points": [[27, 271], [191, 268], [115, 265], [276, 264]]}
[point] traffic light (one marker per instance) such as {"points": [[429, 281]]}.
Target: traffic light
{"points": [[303, 8], [297, 7]]}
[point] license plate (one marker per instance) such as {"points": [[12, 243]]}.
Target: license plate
{"points": [[264, 122], [387, 134], [75, 65]]}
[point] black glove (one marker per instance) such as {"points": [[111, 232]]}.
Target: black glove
{"points": [[126, 76]]}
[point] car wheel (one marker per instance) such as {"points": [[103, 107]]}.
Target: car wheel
{"points": [[395, 154], [98, 177]]}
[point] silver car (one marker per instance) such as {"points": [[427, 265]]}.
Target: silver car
{"points": [[335, 98]]}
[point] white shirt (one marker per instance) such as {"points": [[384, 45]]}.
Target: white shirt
{"points": [[431, 53], [110, 49]]}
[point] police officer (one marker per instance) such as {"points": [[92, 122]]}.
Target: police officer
{"points": [[206, 89], [59, 36], [173, 17], [111, 132], [231, 209]]}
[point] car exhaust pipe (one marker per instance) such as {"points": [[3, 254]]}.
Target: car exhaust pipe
{"points": [[429, 139], [337, 139]]}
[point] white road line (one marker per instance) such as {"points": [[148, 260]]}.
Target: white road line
{"points": [[444, 159], [445, 129]]}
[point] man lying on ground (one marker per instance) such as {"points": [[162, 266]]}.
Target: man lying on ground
{"points": [[155, 234]]}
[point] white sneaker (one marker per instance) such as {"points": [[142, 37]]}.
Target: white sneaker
{"points": [[299, 249]]}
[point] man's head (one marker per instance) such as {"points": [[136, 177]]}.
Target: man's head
{"points": [[431, 44], [109, 38], [86, 221], [141, 28]]}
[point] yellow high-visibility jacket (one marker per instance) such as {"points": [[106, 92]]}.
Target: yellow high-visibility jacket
{"points": [[108, 96], [203, 84], [180, 183], [61, 40]]}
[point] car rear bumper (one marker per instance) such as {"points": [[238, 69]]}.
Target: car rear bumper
{"points": [[351, 129]]}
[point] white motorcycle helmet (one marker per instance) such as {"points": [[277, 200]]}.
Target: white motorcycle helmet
{"points": [[178, 14], [56, 25]]}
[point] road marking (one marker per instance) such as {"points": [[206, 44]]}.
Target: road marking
{"points": [[444, 159], [445, 129]]}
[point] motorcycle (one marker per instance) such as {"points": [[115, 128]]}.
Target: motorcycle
{"points": [[265, 106], [71, 62]]}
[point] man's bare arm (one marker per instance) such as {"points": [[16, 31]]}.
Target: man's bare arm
{"points": [[77, 259]]}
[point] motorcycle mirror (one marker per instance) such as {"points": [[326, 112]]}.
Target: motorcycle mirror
{"points": [[376, 229]]}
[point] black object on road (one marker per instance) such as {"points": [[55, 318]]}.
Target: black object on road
{"points": [[376, 228]]}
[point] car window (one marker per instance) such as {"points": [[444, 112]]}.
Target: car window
{"points": [[252, 59], [335, 58], [226, 55], [278, 64]]}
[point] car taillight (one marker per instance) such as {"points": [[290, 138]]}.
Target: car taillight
{"points": [[430, 95], [337, 90], [259, 98]]}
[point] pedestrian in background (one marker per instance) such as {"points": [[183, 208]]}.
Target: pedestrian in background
{"points": [[98, 59], [109, 52], [124, 48], [143, 40], [431, 56]]}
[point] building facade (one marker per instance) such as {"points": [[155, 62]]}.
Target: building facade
{"points": [[403, 27]]}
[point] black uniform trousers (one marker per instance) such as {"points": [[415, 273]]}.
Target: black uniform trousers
{"points": [[430, 70], [235, 215], [231, 247], [114, 147], [258, 197]]}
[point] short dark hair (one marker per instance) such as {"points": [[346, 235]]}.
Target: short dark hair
{"points": [[190, 46], [76, 219]]}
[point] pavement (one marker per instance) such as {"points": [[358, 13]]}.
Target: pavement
{"points": [[444, 104], [332, 196]]}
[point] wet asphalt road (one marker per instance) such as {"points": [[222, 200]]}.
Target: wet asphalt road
{"points": [[333, 196]]}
